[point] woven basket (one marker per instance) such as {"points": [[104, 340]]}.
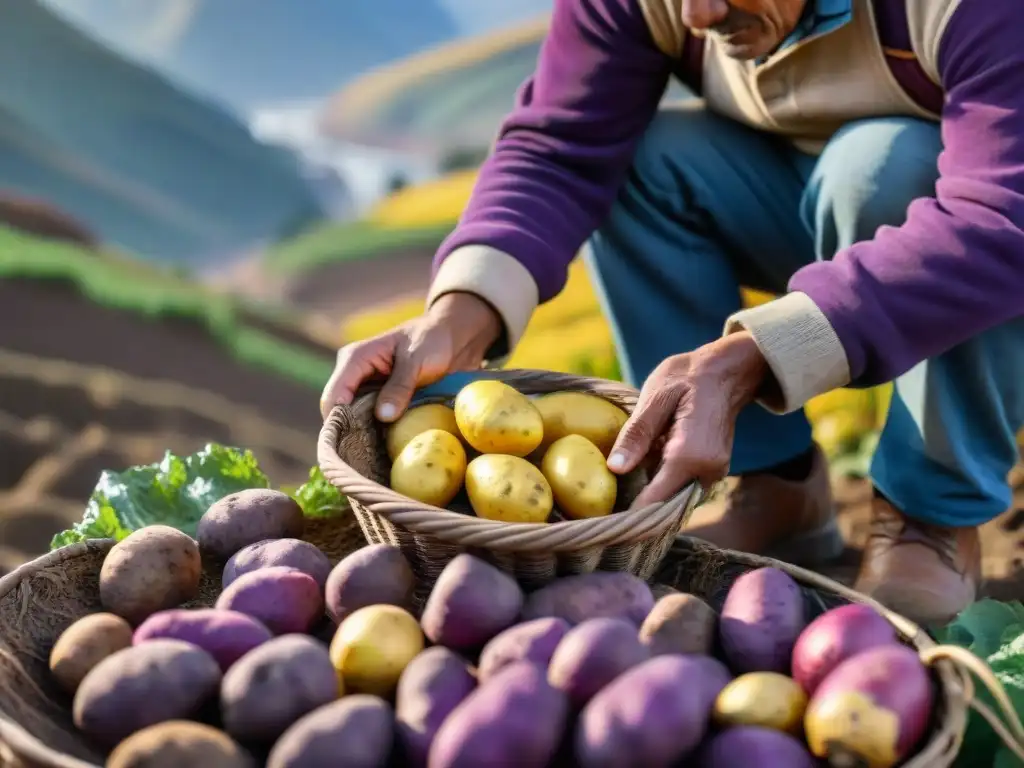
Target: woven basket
{"points": [[353, 456], [40, 599]]}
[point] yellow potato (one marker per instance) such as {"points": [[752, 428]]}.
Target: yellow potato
{"points": [[495, 418], [580, 480], [416, 421], [767, 699], [372, 647], [577, 413], [508, 488], [430, 468]]}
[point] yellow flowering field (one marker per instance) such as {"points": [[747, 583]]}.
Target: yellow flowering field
{"points": [[569, 334]]}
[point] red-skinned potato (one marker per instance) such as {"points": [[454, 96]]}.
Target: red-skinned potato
{"points": [[835, 636], [871, 709]]}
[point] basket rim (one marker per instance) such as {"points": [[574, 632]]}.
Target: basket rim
{"points": [[630, 525], [14, 738]]}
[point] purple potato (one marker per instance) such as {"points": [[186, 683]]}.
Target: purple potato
{"points": [[747, 746], [283, 599], [292, 553], [274, 685], [534, 641], [714, 676], [377, 574], [471, 602], [246, 517], [653, 715], [355, 732], [761, 618], [143, 685], [516, 718], [431, 686], [612, 594], [593, 654], [225, 635]]}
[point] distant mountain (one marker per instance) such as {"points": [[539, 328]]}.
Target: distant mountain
{"points": [[254, 53], [448, 100], [250, 53], [142, 163]]}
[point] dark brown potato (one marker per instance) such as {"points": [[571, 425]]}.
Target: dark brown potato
{"points": [[248, 517], [178, 744], [680, 623], [142, 686], [152, 569], [85, 644], [274, 685]]}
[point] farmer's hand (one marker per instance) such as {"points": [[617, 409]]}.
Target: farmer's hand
{"points": [[453, 335], [691, 401]]}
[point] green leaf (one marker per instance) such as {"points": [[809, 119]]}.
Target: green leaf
{"points": [[985, 627], [993, 631], [176, 492], [317, 497]]}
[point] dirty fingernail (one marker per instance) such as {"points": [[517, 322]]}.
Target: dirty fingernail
{"points": [[617, 461], [386, 412]]}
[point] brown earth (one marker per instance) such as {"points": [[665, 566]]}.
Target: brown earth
{"points": [[37, 217], [85, 388]]}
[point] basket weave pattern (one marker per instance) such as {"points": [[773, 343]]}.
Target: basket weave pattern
{"points": [[40, 599], [353, 457]]}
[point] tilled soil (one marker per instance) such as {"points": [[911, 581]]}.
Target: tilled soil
{"points": [[85, 388]]}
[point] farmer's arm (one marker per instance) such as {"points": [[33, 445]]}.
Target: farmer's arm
{"points": [[559, 160], [953, 270]]}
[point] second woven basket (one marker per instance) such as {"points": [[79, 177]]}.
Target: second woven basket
{"points": [[353, 457]]}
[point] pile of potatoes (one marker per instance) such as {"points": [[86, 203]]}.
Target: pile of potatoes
{"points": [[301, 664], [531, 456]]}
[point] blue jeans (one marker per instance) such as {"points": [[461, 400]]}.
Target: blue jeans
{"points": [[710, 204]]}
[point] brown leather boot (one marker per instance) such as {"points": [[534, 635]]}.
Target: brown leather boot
{"points": [[928, 573], [766, 515]]}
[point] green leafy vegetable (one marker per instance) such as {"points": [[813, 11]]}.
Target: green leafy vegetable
{"points": [[178, 490], [317, 497], [993, 631]]}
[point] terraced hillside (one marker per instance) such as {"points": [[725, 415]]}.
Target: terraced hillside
{"points": [[104, 364]]}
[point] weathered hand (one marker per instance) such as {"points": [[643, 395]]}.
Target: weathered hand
{"points": [[690, 402], [453, 335]]}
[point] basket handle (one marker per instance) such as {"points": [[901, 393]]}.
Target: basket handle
{"points": [[1009, 729]]}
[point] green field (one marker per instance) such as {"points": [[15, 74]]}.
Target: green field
{"points": [[123, 283], [350, 241]]}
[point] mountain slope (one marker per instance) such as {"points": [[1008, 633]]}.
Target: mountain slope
{"points": [[250, 54], [452, 96], [146, 165]]}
